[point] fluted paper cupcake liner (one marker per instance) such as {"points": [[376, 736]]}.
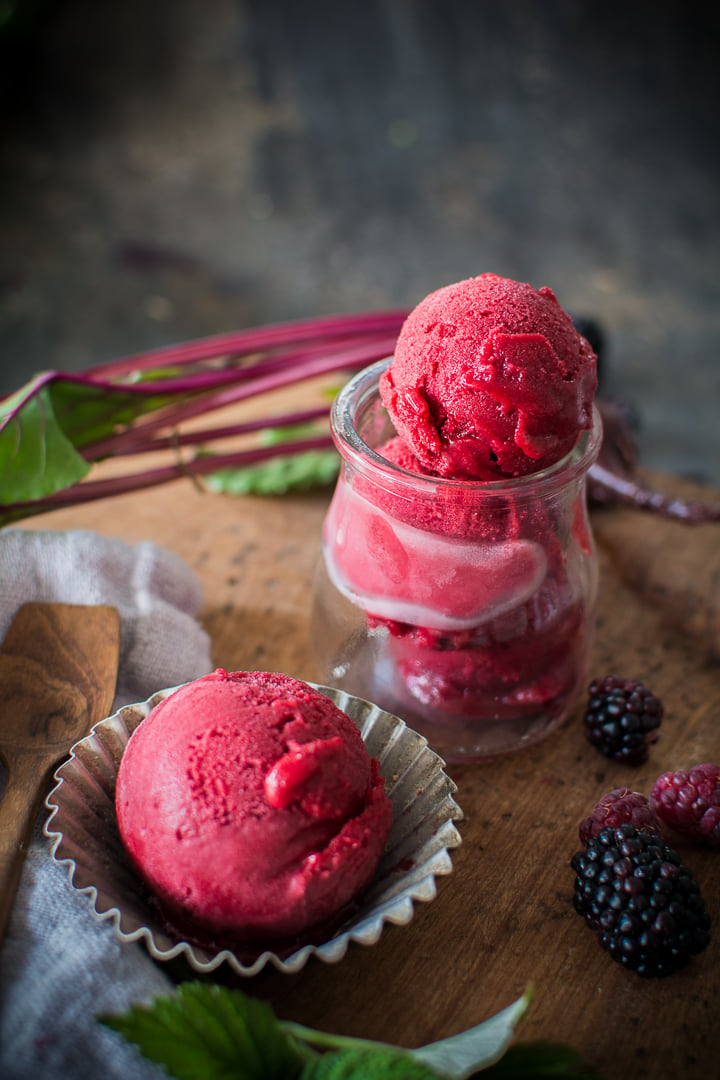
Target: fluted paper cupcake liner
{"points": [[84, 837]]}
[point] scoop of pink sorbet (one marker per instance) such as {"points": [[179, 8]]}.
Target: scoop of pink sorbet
{"points": [[490, 379], [250, 806]]}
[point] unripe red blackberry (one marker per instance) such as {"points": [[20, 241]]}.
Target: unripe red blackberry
{"points": [[641, 900], [689, 802], [622, 718], [619, 807]]}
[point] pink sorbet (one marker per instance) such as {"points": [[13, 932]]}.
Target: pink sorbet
{"points": [[250, 806], [490, 379]]}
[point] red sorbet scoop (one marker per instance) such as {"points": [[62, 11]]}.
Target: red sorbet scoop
{"points": [[490, 379], [251, 807]]}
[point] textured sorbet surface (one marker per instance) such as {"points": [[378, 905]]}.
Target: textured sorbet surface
{"points": [[489, 379], [250, 806]]}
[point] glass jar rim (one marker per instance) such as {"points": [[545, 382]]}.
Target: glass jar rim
{"points": [[359, 391]]}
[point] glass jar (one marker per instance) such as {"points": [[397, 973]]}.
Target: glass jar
{"points": [[464, 607]]}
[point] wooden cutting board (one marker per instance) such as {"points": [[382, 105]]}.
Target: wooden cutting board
{"points": [[503, 919]]}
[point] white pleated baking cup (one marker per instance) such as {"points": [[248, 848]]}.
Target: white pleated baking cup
{"points": [[84, 837]]}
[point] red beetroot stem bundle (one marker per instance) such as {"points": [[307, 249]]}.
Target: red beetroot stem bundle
{"points": [[239, 384], [349, 328], [121, 485], [201, 377]]}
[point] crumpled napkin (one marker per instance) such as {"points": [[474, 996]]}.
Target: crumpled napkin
{"points": [[59, 966]]}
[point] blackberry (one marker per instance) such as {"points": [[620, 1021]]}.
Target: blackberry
{"points": [[622, 718], [689, 802], [644, 904], [619, 807]]}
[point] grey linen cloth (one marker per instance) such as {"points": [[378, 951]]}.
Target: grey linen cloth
{"points": [[60, 966]]}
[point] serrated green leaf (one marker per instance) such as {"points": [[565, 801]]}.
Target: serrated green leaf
{"points": [[367, 1065], [473, 1050], [209, 1032], [278, 475]]}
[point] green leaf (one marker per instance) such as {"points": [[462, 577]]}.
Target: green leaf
{"points": [[36, 457], [45, 425], [367, 1065], [208, 1032], [278, 475], [473, 1050], [540, 1061], [87, 412]]}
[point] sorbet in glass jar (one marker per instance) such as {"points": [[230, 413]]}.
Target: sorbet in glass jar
{"points": [[459, 574]]}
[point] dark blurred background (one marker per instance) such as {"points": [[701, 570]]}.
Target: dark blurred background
{"points": [[178, 168]]}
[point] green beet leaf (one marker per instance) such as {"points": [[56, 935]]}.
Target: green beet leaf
{"points": [[301, 471], [36, 456], [87, 412], [45, 425], [278, 475], [208, 1032]]}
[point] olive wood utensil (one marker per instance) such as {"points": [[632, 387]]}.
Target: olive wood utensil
{"points": [[58, 671]]}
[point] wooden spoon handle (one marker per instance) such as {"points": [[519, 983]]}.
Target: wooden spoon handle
{"points": [[58, 668], [18, 809]]}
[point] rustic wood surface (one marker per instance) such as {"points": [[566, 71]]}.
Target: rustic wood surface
{"points": [[58, 670], [503, 919]]}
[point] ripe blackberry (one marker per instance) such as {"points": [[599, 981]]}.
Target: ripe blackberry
{"points": [[619, 807], [641, 900], [622, 718], [689, 802]]}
